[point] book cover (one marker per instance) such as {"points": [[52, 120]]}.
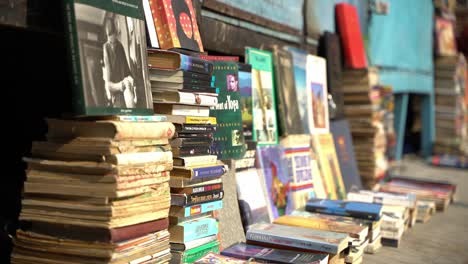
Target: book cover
{"points": [[177, 63], [347, 22], [330, 169], [298, 237], [362, 210], [108, 59], [193, 244], [214, 258], [386, 198], [176, 24], [330, 49], [192, 255], [445, 37], [151, 34], [277, 180], [269, 255], [245, 86], [299, 59], [316, 80], [186, 211], [265, 125], [229, 139], [192, 230], [287, 107], [345, 153], [252, 196], [194, 173]]}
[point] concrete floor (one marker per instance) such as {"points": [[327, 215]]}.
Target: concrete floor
{"points": [[444, 239]]}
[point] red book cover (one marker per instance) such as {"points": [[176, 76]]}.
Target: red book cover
{"points": [[176, 24], [350, 31]]}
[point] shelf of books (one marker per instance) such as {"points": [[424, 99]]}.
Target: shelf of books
{"points": [[176, 155]]}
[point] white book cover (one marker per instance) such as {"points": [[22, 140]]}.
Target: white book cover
{"points": [[316, 81]]}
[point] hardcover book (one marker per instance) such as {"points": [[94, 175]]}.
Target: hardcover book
{"points": [[330, 49], [345, 153], [193, 230], [299, 60], [316, 80], [362, 210], [288, 110], [252, 196], [175, 62], [245, 86], [176, 24], [263, 96], [298, 238], [107, 52], [270, 255], [229, 139], [194, 254]]}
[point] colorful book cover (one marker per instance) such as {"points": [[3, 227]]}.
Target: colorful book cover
{"points": [[298, 237], [276, 179], [330, 169], [270, 255], [176, 24], [345, 153], [245, 86], [193, 230], [265, 127], [299, 59], [362, 210], [229, 139], [252, 196], [287, 105], [213, 258], [109, 73], [445, 37], [316, 80], [195, 254], [336, 218]]}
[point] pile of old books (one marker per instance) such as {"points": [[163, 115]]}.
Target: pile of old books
{"points": [[97, 192], [366, 114], [184, 94], [451, 112]]}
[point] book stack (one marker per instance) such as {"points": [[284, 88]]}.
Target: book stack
{"points": [[440, 192], [395, 219], [184, 94], [358, 233], [368, 214], [97, 192], [406, 200], [425, 210], [451, 112], [365, 113]]}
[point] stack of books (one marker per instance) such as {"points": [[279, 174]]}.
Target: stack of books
{"points": [[97, 192], [184, 94], [366, 113], [425, 210], [451, 112], [395, 220], [440, 192]]}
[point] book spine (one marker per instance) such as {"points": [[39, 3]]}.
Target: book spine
{"points": [[147, 6], [193, 111], [191, 256], [199, 160], [199, 198], [74, 55], [199, 229], [343, 212], [202, 208], [193, 64], [211, 187], [290, 242], [208, 172]]}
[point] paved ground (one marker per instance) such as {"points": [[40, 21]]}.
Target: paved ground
{"points": [[444, 239]]}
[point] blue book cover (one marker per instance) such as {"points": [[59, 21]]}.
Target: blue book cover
{"points": [[361, 210], [201, 208], [299, 58], [208, 172], [345, 153]]}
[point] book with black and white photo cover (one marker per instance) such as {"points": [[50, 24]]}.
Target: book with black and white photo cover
{"points": [[108, 59]]}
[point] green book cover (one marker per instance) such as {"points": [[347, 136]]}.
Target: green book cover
{"points": [[107, 54], [265, 126], [194, 254], [228, 138]]}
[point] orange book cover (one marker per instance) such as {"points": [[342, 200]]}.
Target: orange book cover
{"points": [[176, 24]]}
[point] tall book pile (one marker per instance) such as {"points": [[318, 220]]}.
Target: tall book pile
{"points": [[451, 112], [184, 94], [97, 192], [365, 113]]}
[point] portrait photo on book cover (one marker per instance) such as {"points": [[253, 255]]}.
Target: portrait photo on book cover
{"points": [[113, 59]]}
